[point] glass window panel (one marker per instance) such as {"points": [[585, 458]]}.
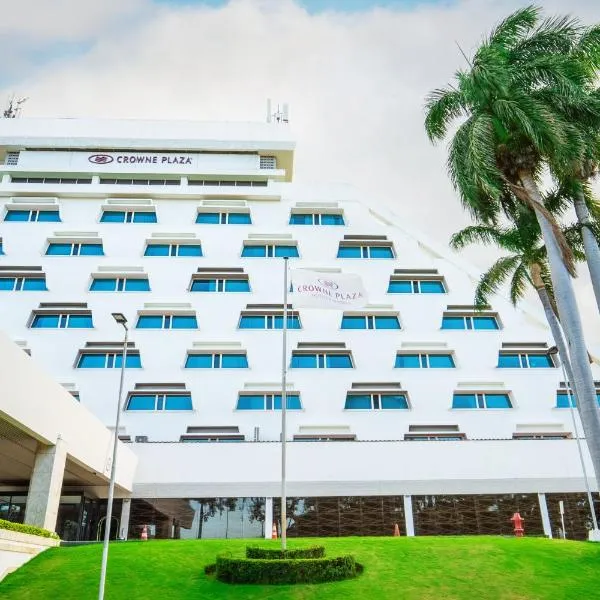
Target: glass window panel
{"points": [[59, 249], [292, 402], [299, 219], [432, 287], [150, 322], [237, 285], [453, 323], [407, 361], [254, 251], [293, 322], [112, 216], [157, 250], [137, 285], [189, 250], [562, 401], [43, 321], [400, 287], [48, 216], [7, 283], [338, 361], [80, 322], [17, 215], [103, 285], [289, 251], [31, 284], [92, 361], [441, 361], [199, 361], [204, 285], [252, 322], [184, 322], [212, 218], [141, 402], [485, 323], [178, 402], [382, 322], [144, 217], [356, 402], [134, 361], [234, 361], [349, 252], [354, 322], [497, 401], [381, 252], [304, 361], [509, 361], [239, 219], [251, 402], [393, 401], [91, 250], [464, 401], [539, 361], [332, 219]]}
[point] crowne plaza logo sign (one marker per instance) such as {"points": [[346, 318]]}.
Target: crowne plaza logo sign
{"points": [[128, 158]]}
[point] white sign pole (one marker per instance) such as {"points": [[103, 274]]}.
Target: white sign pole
{"points": [[561, 507], [284, 406]]}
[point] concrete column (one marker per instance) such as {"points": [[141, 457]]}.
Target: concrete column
{"points": [[408, 516], [45, 485], [268, 518], [125, 512], [545, 515]]}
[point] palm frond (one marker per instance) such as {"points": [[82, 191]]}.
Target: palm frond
{"points": [[493, 278], [442, 107], [518, 283]]}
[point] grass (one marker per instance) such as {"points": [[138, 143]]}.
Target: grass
{"points": [[421, 568]]}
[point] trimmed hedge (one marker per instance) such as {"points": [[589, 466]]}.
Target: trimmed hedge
{"points": [[285, 571], [30, 529], [273, 554]]}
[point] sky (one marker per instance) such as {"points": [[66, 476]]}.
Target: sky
{"points": [[354, 73]]}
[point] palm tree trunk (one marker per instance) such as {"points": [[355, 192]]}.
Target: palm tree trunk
{"points": [[590, 244], [583, 382]]}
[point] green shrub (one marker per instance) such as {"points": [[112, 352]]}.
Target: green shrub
{"points": [[30, 529], [303, 570], [275, 554]]}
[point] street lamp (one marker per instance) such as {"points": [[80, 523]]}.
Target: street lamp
{"points": [[121, 320]]}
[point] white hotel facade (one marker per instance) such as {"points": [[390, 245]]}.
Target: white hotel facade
{"points": [[415, 410]]}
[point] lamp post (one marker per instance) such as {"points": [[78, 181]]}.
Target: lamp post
{"points": [[121, 320]]}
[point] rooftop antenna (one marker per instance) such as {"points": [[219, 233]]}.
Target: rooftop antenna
{"points": [[281, 115]]}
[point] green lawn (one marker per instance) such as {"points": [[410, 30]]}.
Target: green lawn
{"points": [[419, 568]]}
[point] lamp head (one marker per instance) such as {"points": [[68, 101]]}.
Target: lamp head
{"points": [[120, 319]]}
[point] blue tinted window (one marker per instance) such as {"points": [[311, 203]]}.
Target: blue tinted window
{"points": [[92, 361], [293, 322], [17, 215], [297, 219], [103, 285], [393, 401], [80, 322], [59, 249], [400, 287], [354, 322], [509, 361], [34, 285], [178, 402], [189, 250], [562, 400], [7, 283], [453, 323], [290, 251], [43, 321], [407, 361], [239, 219], [48, 216], [184, 322], [212, 218], [381, 252], [485, 323], [157, 250], [441, 361], [338, 361], [256, 402], [497, 401], [539, 361], [237, 285], [254, 251], [349, 252], [91, 250], [144, 217], [204, 285], [432, 287], [1, 248], [292, 402], [252, 322], [199, 361], [464, 401], [382, 322], [304, 361], [332, 220], [137, 285], [356, 402], [113, 216], [234, 361], [141, 402], [134, 361], [150, 322]]}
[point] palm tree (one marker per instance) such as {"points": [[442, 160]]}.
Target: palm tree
{"points": [[525, 105]]}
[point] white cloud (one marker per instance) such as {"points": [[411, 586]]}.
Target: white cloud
{"points": [[355, 83]]}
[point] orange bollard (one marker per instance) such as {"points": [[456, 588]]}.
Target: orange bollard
{"points": [[274, 532], [144, 535], [396, 530]]}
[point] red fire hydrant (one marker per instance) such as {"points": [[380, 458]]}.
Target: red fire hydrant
{"points": [[518, 520]]}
